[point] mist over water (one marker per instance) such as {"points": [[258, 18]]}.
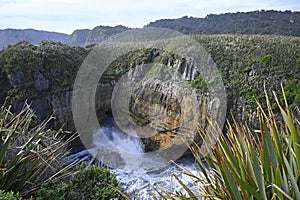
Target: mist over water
{"points": [[120, 140], [132, 165]]}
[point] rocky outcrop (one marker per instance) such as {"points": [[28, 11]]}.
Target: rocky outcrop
{"points": [[100, 33], [78, 37], [40, 83], [44, 75], [159, 90], [164, 110], [56, 105], [171, 111], [59, 106]]}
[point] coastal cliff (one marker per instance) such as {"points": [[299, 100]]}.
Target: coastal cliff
{"points": [[44, 76]]}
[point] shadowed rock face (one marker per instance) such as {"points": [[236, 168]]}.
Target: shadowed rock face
{"points": [[59, 105]]}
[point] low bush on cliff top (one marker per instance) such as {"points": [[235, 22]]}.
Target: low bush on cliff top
{"points": [[91, 183], [245, 164]]}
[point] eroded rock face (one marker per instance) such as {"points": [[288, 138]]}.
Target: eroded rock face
{"points": [[160, 97], [59, 105], [43, 76], [172, 112], [41, 83], [163, 109], [19, 78]]}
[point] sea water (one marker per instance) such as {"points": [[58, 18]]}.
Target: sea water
{"points": [[141, 175]]}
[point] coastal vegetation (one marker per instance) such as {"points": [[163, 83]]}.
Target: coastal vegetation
{"points": [[264, 22], [256, 157], [245, 62], [248, 163], [32, 161]]}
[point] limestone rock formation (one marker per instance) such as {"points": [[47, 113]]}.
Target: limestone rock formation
{"points": [[162, 108], [44, 76]]}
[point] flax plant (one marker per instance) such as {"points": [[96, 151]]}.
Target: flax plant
{"points": [[250, 164], [29, 154]]}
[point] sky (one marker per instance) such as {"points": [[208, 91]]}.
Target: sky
{"points": [[68, 15]]}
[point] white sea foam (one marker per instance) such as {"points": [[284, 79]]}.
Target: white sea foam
{"points": [[132, 165]]}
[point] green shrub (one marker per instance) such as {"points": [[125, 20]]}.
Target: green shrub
{"points": [[298, 62], [9, 196], [297, 98], [292, 91], [87, 183], [199, 83], [265, 59]]}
